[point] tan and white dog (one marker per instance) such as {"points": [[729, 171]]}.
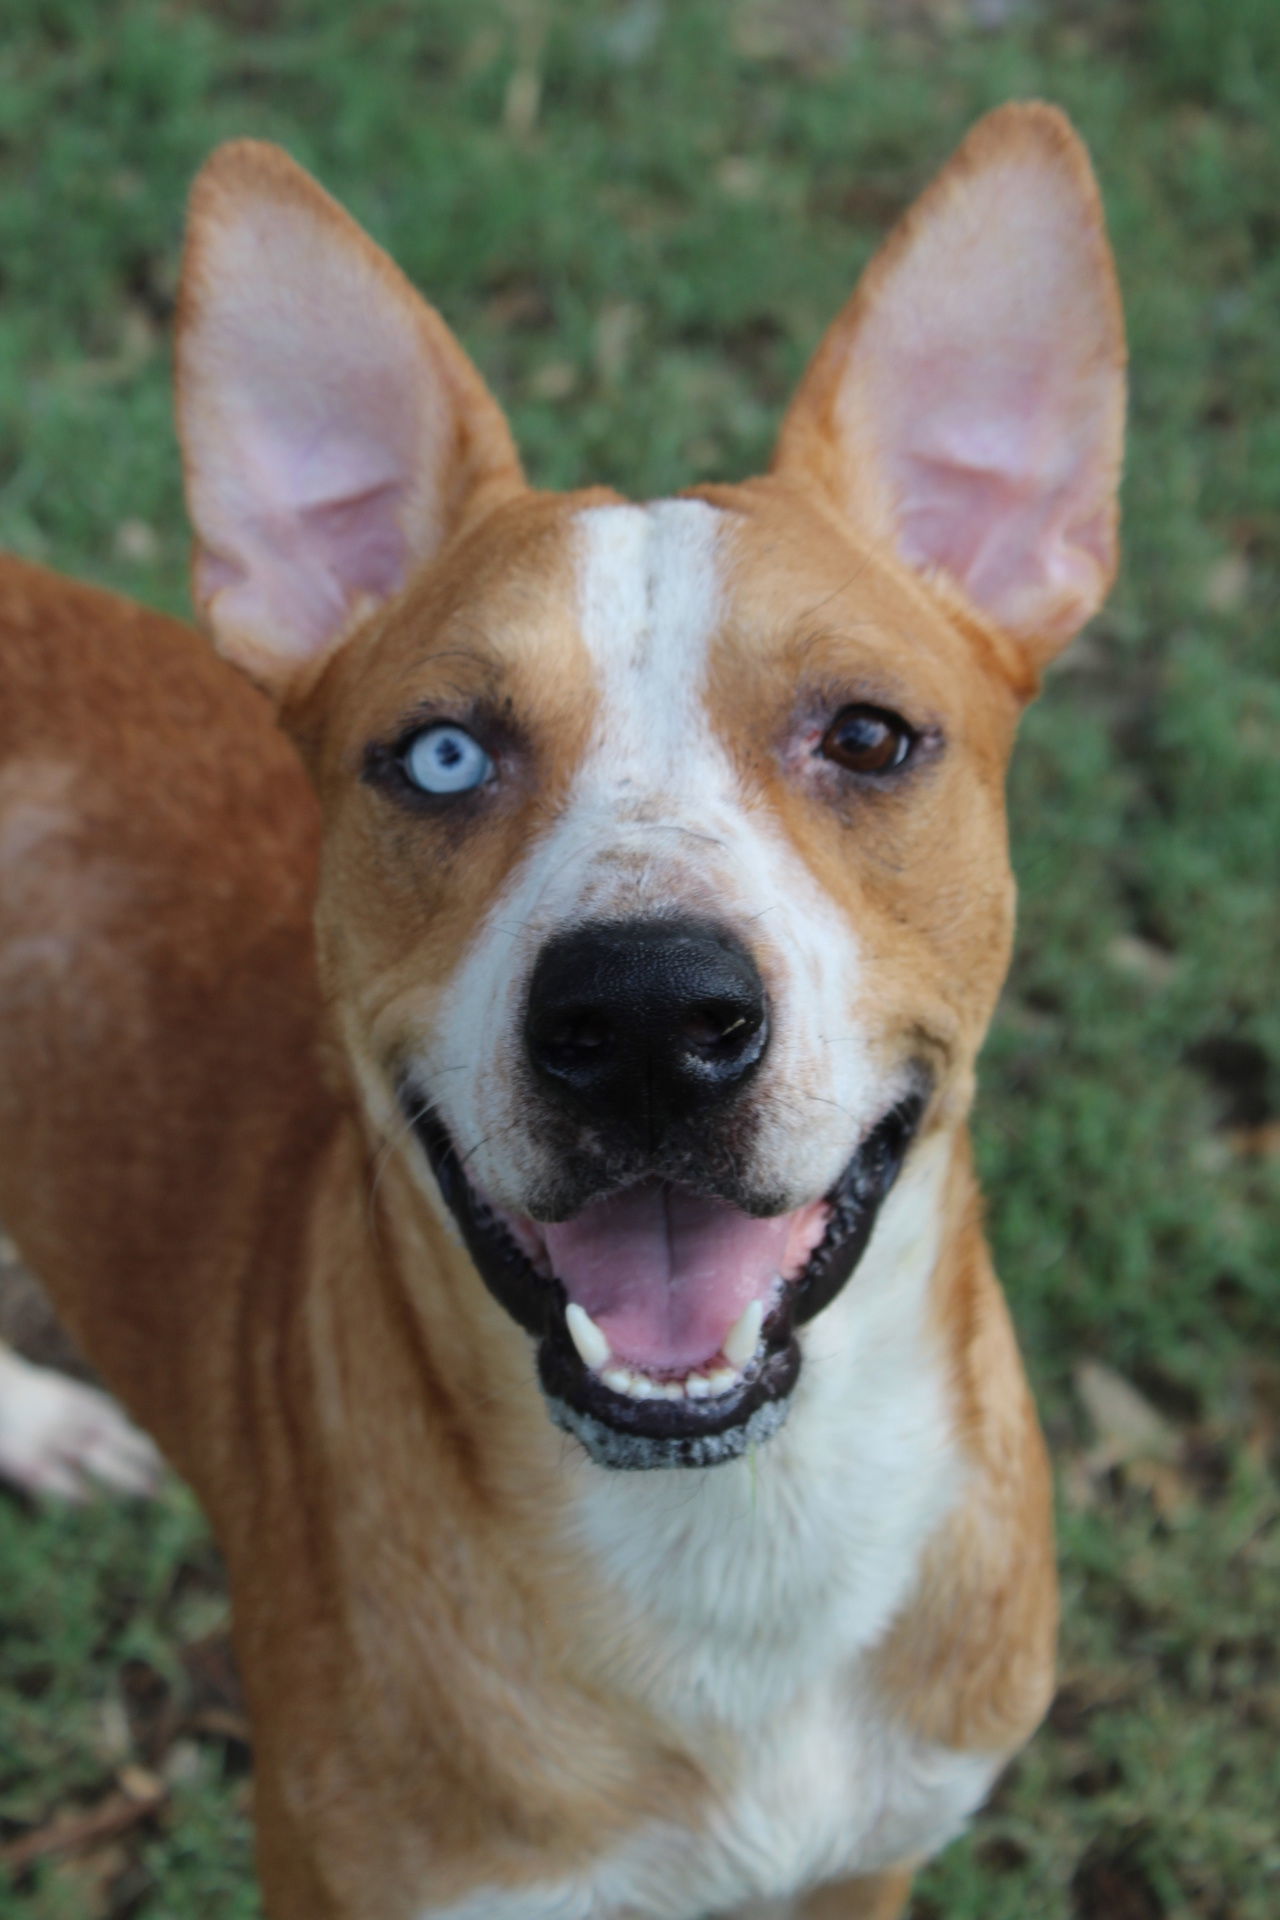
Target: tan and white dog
{"points": [[563, 1281]]}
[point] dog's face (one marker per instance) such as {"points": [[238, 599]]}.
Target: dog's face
{"points": [[665, 892]]}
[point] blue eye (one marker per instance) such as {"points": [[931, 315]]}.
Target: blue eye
{"points": [[445, 759]]}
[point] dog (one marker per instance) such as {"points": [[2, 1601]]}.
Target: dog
{"points": [[62, 1439], [561, 1273]]}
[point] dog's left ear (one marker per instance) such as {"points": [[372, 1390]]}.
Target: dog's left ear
{"points": [[968, 404], [335, 436]]}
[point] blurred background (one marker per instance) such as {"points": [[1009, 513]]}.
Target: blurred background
{"points": [[639, 215]]}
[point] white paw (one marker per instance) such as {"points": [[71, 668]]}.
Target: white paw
{"points": [[61, 1438]]}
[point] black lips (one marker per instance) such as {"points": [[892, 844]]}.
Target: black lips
{"points": [[616, 1430]]}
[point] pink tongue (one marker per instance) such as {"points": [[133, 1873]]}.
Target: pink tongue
{"points": [[665, 1275]]}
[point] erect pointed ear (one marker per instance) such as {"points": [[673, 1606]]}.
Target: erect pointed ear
{"points": [[334, 434], [968, 404]]}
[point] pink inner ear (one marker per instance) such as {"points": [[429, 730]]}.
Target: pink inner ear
{"points": [[360, 539], [311, 518], [994, 478], [968, 405], [303, 570]]}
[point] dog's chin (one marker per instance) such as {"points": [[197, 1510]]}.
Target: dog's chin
{"points": [[673, 1410]]}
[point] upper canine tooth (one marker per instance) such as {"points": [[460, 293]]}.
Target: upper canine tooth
{"points": [[743, 1337], [587, 1337]]}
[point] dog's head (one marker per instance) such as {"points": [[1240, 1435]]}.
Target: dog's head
{"points": [[665, 894]]}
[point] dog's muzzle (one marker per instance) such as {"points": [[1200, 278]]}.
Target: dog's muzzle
{"points": [[664, 1297]]}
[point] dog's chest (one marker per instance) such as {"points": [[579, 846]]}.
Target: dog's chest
{"points": [[832, 1790]]}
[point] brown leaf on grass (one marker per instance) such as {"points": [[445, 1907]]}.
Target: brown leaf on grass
{"points": [[136, 540], [1141, 960], [139, 1795], [92, 1879], [1256, 1143], [1132, 1436], [1262, 1429], [1226, 585], [1127, 1426], [1170, 1489], [1088, 1688], [811, 35], [554, 380], [615, 333], [217, 1724], [740, 177]]}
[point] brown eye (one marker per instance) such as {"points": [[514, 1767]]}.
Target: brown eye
{"points": [[868, 740]]}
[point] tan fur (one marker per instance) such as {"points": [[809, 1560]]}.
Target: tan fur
{"points": [[971, 1662], [199, 1155], [883, 1897]]}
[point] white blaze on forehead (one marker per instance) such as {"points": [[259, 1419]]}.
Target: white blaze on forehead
{"points": [[657, 823], [649, 588]]}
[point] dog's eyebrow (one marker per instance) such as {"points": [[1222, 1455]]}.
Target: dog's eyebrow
{"points": [[835, 593], [476, 680], [484, 656]]}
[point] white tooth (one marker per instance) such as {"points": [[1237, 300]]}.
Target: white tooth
{"points": [[672, 1390], [587, 1337], [743, 1338], [641, 1387], [698, 1387], [621, 1379], [723, 1379]]}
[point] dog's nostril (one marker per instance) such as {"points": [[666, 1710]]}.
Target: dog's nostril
{"points": [[720, 1029], [577, 1033]]}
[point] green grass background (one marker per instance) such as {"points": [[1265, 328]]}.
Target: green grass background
{"points": [[639, 216]]}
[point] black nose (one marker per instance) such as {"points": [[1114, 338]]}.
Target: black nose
{"points": [[645, 1022]]}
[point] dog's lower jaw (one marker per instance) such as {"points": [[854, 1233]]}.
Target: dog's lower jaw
{"points": [[729, 1416], [608, 1446]]}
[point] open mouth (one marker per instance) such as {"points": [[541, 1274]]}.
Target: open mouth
{"points": [[666, 1319]]}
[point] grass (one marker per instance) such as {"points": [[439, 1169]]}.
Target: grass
{"points": [[639, 216]]}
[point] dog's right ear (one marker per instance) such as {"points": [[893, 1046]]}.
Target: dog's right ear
{"points": [[967, 407], [334, 434]]}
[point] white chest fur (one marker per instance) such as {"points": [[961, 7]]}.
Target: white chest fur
{"points": [[746, 1599]]}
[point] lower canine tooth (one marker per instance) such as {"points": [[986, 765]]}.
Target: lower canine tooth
{"points": [[587, 1337], [743, 1337], [620, 1379]]}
